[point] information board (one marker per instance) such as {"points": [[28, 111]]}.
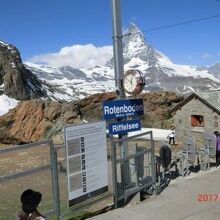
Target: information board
{"points": [[86, 156]]}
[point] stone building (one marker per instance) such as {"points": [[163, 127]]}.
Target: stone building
{"points": [[197, 113]]}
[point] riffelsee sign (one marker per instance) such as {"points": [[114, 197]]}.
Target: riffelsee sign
{"points": [[124, 127]]}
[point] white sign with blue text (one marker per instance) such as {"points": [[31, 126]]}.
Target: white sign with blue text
{"points": [[123, 108], [86, 157], [124, 127]]}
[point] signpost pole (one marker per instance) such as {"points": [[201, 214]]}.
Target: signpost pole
{"points": [[119, 72], [117, 47]]}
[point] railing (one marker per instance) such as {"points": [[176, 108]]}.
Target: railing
{"points": [[28, 166], [135, 171]]}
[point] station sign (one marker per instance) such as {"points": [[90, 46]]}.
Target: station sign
{"points": [[122, 108], [123, 127]]}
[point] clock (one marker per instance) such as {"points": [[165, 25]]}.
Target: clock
{"points": [[133, 82]]}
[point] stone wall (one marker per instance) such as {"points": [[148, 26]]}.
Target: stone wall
{"points": [[182, 121]]}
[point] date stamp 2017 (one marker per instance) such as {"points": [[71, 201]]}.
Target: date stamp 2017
{"points": [[208, 197]]}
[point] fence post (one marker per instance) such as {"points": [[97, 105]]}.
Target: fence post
{"points": [[153, 164], [114, 173], [55, 182]]}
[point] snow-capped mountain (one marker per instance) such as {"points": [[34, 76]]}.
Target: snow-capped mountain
{"points": [[215, 70], [74, 83], [159, 71]]}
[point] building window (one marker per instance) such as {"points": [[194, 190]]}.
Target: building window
{"points": [[197, 121]]}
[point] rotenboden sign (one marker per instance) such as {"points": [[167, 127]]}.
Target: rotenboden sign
{"points": [[122, 108]]}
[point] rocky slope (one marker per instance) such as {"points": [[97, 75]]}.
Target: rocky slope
{"points": [[16, 80], [39, 119]]}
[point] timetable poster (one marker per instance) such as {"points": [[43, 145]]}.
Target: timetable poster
{"points": [[86, 156]]}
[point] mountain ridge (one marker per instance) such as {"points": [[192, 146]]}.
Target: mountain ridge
{"points": [[69, 83], [159, 71], [16, 80]]}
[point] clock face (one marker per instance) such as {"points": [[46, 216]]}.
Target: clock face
{"points": [[133, 82]]}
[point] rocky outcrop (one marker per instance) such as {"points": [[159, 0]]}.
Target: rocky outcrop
{"points": [[38, 119], [15, 80]]}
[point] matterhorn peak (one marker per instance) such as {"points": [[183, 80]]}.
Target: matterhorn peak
{"points": [[135, 46], [133, 28], [133, 35]]}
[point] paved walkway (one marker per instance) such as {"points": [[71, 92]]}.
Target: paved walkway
{"points": [[179, 201]]}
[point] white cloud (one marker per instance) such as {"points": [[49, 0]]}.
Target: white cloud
{"points": [[206, 56], [77, 56]]}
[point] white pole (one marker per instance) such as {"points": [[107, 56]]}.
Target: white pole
{"points": [[117, 48], [119, 72]]}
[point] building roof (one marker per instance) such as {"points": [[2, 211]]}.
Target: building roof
{"points": [[209, 98]]}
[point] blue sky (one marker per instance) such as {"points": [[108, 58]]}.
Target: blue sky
{"points": [[47, 27]]}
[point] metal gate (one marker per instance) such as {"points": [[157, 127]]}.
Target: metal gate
{"points": [[28, 166], [133, 169]]}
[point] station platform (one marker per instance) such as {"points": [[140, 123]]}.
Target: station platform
{"points": [[194, 197]]}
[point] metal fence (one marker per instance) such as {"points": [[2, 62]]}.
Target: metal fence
{"points": [[208, 151], [90, 205], [28, 166], [133, 165], [42, 167], [187, 156]]}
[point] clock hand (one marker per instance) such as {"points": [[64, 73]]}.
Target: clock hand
{"points": [[131, 80]]}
